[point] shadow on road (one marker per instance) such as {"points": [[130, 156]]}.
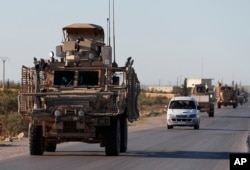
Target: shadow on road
{"points": [[181, 154], [235, 117]]}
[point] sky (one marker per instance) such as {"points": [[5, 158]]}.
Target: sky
{"points": [[169, 40]]}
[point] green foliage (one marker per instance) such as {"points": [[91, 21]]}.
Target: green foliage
{"points": [[13, 124], [8, 101], [147, 100]]}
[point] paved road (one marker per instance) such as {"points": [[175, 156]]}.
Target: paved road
{"points": [[181, 148]]}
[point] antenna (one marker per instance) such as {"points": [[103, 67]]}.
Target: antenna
{"points": [[108, 32], [202, 67], [114, 64], [108, 20]]}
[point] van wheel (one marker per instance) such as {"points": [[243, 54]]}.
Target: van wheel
{"points": [[170, 127], [197, 126], [211, 114], [219, 106]]}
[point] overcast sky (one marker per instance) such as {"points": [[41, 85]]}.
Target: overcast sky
{"points": [[169, 39]]}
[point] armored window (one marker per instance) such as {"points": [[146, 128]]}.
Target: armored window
{"points": [[88, 78], [64, 78]]}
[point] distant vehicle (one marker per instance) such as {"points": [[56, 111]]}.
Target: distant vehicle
{"points": [[228, 96], [204, 93], [242, 97], [183, 111], [205, 97]]}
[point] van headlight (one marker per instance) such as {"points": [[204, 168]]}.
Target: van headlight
{"points": [[193, 116], [171, 116]]}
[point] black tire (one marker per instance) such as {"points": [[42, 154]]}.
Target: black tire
{"points": [[170, 127], [197, 126], [50, 147], [36, 140], [112, 144], [234, 106], [124, 134], [211, 114]]}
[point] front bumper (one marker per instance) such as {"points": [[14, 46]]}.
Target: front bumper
{"points": [[182, 121]]}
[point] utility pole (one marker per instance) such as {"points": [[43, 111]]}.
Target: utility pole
{"points": [[4, 59]]}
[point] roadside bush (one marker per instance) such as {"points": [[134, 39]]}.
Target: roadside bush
{"points": [[13, 124], [8, 101], [147, 100]]}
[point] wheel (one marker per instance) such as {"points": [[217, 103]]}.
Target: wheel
{"points": [[197, 126], [36, 140], [50, 147], [234, 106], [170, 127], [211, 114], [124, 134], [112, 144]]}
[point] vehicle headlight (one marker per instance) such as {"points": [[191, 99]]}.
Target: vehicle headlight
{"points": [[171, 116], [193, 116], [211, 96], [91, 56], [58, 113], [81, 113]]}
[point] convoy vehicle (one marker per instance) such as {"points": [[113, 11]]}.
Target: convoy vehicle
{"points": [[205, 97], [243, 96], [183, 111], [228, 96], [204, 93], [81, 96]]}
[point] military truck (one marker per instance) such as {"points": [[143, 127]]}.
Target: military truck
{"points": [[83, 95], [205, 97], [202, 90], [243, 96], [228, 96]]}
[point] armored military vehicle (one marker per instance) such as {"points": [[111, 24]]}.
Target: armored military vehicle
{"points": [[205, 98], [243, 96], [83, 95], [228, 96]]}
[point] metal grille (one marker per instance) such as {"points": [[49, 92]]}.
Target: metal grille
{"points": [[69, 126], [25, 102]]}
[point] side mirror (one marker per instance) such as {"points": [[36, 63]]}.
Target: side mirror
{"points": [[198, 107]]}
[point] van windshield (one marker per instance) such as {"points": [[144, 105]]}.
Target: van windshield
{"points": [[182, 104]]}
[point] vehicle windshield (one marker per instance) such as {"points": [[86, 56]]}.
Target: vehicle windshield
{"points": [[182, 104]]}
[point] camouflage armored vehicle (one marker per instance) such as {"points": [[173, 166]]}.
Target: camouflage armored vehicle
{"points": [[243, 96], [79, 96], [228, 96], [205, 97]]}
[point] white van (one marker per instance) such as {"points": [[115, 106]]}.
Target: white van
{"points": [[183, 111]]}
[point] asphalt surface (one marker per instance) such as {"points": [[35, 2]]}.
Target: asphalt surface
{"points": [[152, 146]]}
